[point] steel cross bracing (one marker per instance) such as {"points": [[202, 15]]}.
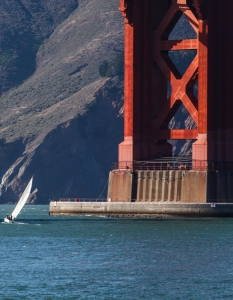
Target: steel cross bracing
{"points": [[181, 86], [148, 67]]}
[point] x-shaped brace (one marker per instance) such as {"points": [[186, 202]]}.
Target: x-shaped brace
{"points": [[182, 86]]}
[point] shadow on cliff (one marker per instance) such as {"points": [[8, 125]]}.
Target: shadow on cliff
{"points": [[74, 159], [25, 28], [11, 159]]}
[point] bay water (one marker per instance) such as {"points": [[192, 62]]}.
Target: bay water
{"points": [[60, 257]]}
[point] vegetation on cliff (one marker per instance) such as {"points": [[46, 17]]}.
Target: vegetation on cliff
{"points": [[24, 26], [113, 68]]}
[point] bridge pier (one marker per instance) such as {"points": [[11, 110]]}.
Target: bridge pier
{"points": [[171, 186], [141, 209]]}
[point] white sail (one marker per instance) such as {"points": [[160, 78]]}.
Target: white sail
{"points": [[22, 200]]}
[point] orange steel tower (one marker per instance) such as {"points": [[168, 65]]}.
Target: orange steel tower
{"points": [[149, 110], [148, 69]]}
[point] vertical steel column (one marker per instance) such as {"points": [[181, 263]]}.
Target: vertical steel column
{"points": [[126, 147], [199, 153]]}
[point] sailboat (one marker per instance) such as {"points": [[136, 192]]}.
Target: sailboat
{"points": [[20, 204]]}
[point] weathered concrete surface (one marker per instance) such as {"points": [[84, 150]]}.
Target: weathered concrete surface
{"points": [[120, 186], [188, 186], [184, 186], [136, 209], [155, 186]]}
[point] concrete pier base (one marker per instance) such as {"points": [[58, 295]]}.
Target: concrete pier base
{"points": [[156, 194], [186, 186], [141, 210]]}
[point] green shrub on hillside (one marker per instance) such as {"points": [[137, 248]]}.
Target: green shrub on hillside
{"points": [[103, 68], [41, 47], [113, 68], [91, 105], [6, 56]]}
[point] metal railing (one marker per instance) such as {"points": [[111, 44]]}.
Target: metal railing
{"points": [[173, 164], [210, 201], [82, 200]]}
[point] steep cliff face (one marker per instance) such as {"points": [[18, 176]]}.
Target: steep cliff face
{"points": [[68, 155], [74, 159]]}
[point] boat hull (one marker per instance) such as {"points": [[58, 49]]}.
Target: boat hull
{"points": [[8, 221]]}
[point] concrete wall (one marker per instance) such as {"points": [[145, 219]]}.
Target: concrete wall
{"points": [[171, 186], [178, 186], [120, 186], [138, 209], [155, 186]]}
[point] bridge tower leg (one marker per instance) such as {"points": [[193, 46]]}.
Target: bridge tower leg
{"points": [[149, 69]]}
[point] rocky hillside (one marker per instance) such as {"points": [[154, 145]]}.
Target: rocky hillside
{"points": [[24, 26], [55, 124]]}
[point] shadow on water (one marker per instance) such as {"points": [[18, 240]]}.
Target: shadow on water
{"points": [[111, 220]]}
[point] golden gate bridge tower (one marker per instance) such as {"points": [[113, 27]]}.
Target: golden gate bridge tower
{"points": [[146, 169]]}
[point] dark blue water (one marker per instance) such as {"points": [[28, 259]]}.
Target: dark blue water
{"points": [[48, 257]]}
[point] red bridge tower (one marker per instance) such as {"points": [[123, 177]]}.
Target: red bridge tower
{"points": [[149, 69]]}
